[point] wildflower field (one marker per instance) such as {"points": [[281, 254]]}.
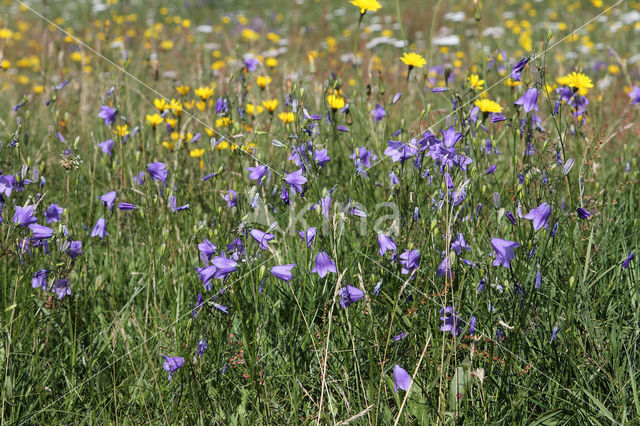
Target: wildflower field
{"points": [[319, 212]]}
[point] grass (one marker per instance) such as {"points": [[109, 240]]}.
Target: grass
{"points": [[563, 351]]}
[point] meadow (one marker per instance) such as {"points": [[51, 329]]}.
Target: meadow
{"points": [[319, 212]]}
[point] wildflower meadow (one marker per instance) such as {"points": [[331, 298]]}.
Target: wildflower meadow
{"points": [[319, 212]]}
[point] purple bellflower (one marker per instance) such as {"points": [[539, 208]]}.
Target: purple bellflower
{"points": [[450, 321], [296, 180], [385, 243], [108, 199], [308, 235], [108, 114], [258, 173], [40, 279], [540, 216], [324, 265], [52, 214], [100, 229], [529, 100], [283, 272], [24, 216], [62, 288], [401, 379], [171, 364], [504, 251], [158, 171], [350, 294], [261, 237]]}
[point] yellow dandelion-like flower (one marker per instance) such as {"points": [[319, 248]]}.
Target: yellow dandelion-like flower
{"points": [[218, 65], [188, 105], [253, 109], [273, 37], [204, 92], [263, 81], [76, 56], [366, 5], [183, 90], [196, 153], [161, 104], [413, 59], [166, 45], [5, 33], [176, 107], [335, 101], [578, 81], [249, 35], [223, 122], [172, 122], [169, 145], [270, 105], [475, 82], [121, 131], [201, 105], [222, 145], [271, 62], [38, 89], [5, 65], [154, 119], [286, 117], [487, 105], [249, 147]]}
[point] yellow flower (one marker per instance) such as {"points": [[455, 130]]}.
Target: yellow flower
{"points": [[182, 90], [5, 33], [271, 62], [196, 153], [38, 89], [487, 105], [475, 82], [204, 92], [76, 56], [169, 145], [335, 101], [23, 79], [161, 104], [189, 104], [154, 119], [263, 81], [172, 122], [223, 122], [222, 145], [253, 110], [218, 65], [176, 107], [413, 59], [577, 80], [273, 37], [249, 35], [286, 117], [4, 65], [512, 83], [270, 105], [249, 147], [366, 5], [166, 45], [121, 131]]}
